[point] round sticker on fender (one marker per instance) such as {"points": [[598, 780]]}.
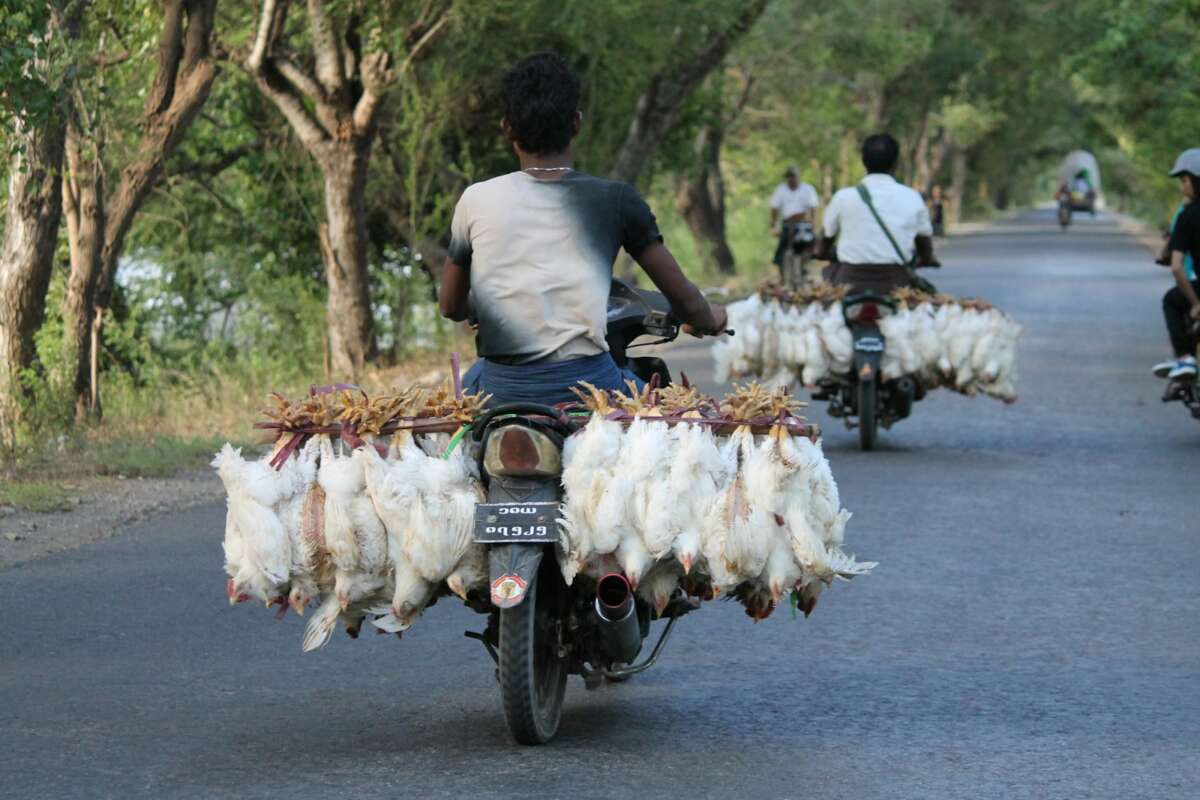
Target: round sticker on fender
{"points": [[508, 591]]}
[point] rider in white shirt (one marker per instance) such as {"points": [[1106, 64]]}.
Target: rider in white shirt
{"points": [[793, 202], [866, 258]]}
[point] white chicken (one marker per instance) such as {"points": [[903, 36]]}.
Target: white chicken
{"points": [[257, 548], [642, 521], [725, 506], [817, 366], [697, 470], [354, 535], [444, 516], [659, 584], [394, 486], [838, 340], [748, 543], [297, 478], [589, 459]]}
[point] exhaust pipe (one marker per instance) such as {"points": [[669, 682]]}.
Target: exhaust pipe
{"points": [[620, 633], [904, 391]]}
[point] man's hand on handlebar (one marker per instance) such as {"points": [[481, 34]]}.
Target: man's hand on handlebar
{"points": [[925, 256], [720, 323]]}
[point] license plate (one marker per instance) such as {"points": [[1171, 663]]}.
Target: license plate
{"points": [[505, 523], [868, 344]]}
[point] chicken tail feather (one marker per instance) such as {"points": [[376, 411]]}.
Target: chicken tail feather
{"points": [[320, 626]]}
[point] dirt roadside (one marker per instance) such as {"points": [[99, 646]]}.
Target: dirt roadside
{"points": [[99, 508]]}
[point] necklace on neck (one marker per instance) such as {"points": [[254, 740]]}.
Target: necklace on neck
{"points": [[548, 169]]}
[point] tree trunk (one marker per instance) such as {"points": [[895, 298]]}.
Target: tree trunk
{"points": [[97, 223], [27, 257], [344, 250], [941, 147], [958, 186], [919, 175], [34, 210], [700, 199], [658, 108], [333, 108], [83, 206]]}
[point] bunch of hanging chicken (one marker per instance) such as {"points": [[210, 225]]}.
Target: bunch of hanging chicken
{"points": [[671, 488], [375, 530], [785, 336], [652, 491]]}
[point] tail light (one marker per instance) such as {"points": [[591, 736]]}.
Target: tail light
{"points": [[519, 452], [863, 312]]}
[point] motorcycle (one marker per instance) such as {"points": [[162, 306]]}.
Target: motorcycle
{"points": [[1064, 212], [540, 630], [802, 239], [862, 397], [1185, 390]]}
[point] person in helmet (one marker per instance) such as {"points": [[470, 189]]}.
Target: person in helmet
{"points": [[1181, 304]]}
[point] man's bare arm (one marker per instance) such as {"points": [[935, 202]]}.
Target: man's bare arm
{"points": [[688, 303], [454, 291]]}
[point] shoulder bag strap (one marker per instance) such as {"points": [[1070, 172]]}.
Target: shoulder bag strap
{"points": [[866, 198]]}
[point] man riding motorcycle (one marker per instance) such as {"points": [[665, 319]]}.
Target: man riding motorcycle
{"points": [[878, 226], [1181, 304], [532, 252], [793, 205]]}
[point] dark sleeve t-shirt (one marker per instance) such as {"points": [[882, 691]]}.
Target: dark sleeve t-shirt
{"points": [[541, 254], [1185, 236]]}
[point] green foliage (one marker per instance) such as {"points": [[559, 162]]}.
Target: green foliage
{"points": [[221, 289]]}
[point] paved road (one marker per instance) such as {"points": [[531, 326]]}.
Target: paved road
{"points": [[1031, 632]]}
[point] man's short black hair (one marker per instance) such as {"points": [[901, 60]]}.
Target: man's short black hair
{"points": [[880, 153], [541, 96]]}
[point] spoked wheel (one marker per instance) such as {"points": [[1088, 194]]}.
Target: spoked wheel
{"points": [[1064, 216], [532, 676], [868, 422]]}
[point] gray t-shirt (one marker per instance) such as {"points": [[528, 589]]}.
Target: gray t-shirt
{"points": [[541, 254]]}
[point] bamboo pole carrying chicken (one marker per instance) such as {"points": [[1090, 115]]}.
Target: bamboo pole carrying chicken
{"points": [[783, 336]]}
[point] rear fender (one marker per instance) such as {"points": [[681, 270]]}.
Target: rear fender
{"points": [[511, 567], [868, 353]]}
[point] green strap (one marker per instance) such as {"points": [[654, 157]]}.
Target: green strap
{"points": [[866, 198], [456, 439]]}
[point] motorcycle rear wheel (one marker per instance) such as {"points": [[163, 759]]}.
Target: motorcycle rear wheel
{"points": [[533, 678], [868, 421]]}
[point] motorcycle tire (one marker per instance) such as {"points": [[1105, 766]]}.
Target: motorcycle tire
{"points": [[868, 421], [533, 678]]}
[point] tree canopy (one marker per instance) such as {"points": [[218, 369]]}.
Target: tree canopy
{"points": [[230, 248]]}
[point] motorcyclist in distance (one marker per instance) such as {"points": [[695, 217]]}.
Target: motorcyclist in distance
{"points": [[1181, 304], [877, 254], [792, 203]]}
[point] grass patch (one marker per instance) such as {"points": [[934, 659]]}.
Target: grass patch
{"points": [[35, 496], [151, 458], [129, 457]]}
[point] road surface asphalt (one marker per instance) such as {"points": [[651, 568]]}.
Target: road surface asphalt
{"points": [[1031, 631]]}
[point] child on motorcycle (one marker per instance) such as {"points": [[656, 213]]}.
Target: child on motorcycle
{"points": [[531, 253], [1181, 304]]}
